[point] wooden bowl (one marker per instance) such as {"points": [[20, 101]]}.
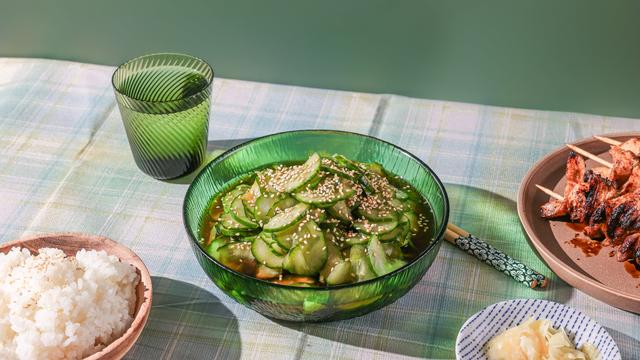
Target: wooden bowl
{"points": [[70, 243]]}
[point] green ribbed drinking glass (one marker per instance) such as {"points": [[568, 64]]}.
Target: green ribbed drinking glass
{"points": [[164, 100]]}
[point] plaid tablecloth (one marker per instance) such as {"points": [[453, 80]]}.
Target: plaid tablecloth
{"points": [[65, 165]]}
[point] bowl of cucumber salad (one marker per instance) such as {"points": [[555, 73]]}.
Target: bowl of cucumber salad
{"points": [[316, 225]]}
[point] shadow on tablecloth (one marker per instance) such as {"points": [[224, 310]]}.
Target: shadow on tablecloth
{"points": [[214, 149], [629, 346], [187, 322]]}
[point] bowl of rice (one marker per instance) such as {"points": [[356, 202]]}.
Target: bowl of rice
{"points": [[71, 296]]}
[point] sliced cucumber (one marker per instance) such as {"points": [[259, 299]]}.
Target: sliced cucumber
{"points": [[289, 237], [377, 215], [230, 223], [410, 205], [335, 234], [264, 254], [401, 195], [364, 181], [333, 167], [229, 197], [237, 233], [359, 239], [313, 183], [360, 264], [264, 204], [303, 174], [269, 238], [317, 215], [375, 168], [248, 237], [249, 198], [400, 231], [213, 234], [238, 256], [392, 250], [341, 211], [263, 178], [378, 228], [328, 192], [264, 272], [398, 204], [285, 203], [411, 218], [275, 246], [341, 274], [406, 239], [287, 218], [354, 202], [249, 209], [347, 163], [287, 223], [380, 262], [309, 256], [239, 215], [253, 193], [213, 247], [334, 257]]}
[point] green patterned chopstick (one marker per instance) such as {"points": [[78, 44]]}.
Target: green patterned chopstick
{"points": [[494, 257]]}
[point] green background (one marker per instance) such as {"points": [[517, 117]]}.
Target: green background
{"points": [[572, 55]]}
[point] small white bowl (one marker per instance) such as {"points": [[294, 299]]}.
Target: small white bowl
{"points": [[496, 318]]}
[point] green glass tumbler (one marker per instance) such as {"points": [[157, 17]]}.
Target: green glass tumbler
{"points": [[164, 100]]}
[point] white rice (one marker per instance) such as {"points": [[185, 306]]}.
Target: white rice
{"points": [[58, 307]]}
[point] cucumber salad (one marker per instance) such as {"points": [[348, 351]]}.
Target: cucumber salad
{"points": [[328, 221]]}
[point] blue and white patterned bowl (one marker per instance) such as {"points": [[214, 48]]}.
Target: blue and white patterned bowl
{"points": [[496, 318]]}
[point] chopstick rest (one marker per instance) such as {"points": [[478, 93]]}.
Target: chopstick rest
{"points": [[494, 257]]}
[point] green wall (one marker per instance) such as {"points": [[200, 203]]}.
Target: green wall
{"points": [[549, 54]]}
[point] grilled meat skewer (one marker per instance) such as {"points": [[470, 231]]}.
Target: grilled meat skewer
{"points": [[593, 200], [584, 193]]}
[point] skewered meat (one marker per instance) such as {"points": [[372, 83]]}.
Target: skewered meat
{"points": [[623, 164], [623, 217], [602, 171], [606, 201], [588, 197], [574, 174], [633, 183], [584, 195], [554, 209], [630, 249], [632, 145]]}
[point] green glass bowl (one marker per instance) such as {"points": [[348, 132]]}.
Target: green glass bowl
{"points": [[315, 303]]}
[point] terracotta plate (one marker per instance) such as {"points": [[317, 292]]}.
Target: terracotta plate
{"points": [[582, 264]]}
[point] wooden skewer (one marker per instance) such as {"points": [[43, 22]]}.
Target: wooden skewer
{"points": [[590, 155], [608, 140], [494, 257], [550, 192]]}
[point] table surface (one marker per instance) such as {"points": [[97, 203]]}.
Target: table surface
{"points": [[66, 166]]}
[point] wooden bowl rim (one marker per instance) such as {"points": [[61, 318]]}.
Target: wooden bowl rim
{"points": [[137, 325]]}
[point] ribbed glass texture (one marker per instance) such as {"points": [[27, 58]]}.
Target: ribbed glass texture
{"points": [[313, 304], [164, 100]]}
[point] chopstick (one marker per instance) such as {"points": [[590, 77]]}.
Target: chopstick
{"points": [[494, 257]]}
